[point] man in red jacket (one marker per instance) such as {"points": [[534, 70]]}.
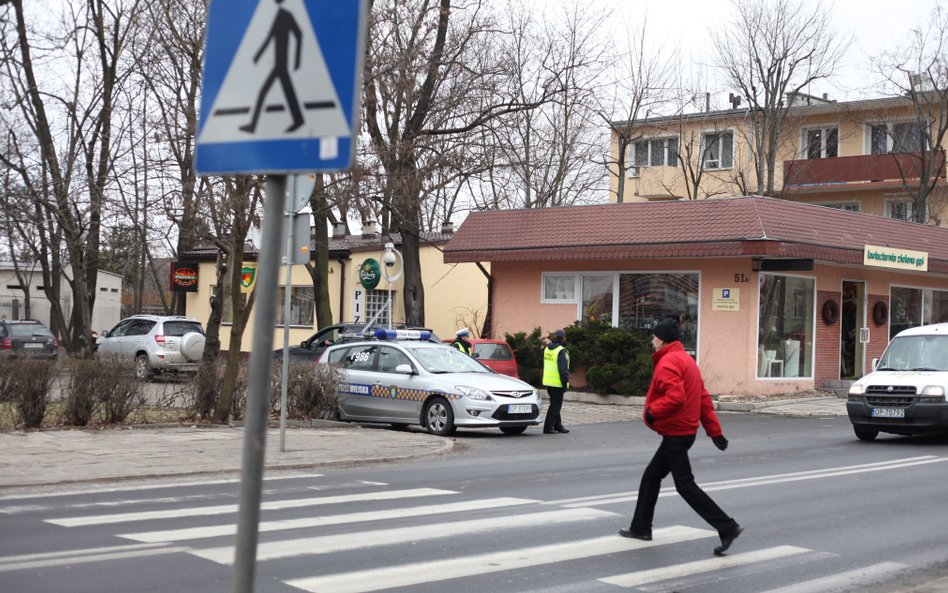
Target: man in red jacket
{"points": [[676, 402]]}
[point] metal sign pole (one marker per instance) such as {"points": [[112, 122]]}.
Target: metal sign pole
{"points": [[288, 268], [261, 358]]}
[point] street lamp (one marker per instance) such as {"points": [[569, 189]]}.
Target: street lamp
{"points": [[391, 271]]}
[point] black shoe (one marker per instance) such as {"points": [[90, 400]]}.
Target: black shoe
{"points": [[646, 537], [562, 430], [727, 540], [549, 431]]}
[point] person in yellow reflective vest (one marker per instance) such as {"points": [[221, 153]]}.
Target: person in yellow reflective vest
{"points": [[556, 381], [460, 343]]}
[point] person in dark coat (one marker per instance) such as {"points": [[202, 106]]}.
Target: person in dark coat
{"points": [[556, 381], [675, 404]]}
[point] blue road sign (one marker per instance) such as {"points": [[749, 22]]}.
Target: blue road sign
{"points": [[281, 88]]}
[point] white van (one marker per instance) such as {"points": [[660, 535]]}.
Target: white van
{"points": [[906, 391]]}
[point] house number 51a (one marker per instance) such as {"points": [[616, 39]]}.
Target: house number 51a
{"points": [[741, 278]]}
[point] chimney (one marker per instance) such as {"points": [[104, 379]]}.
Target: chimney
{"points": [[339, 229], [707, 102], [447, 228], [826, 96], [735, 100], [369, 229]]}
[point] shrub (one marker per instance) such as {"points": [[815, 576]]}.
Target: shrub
{"points": [[106, 386], [528, 350], [310, 391], [26, 384]]}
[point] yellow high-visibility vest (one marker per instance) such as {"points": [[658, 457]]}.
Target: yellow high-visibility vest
{"points": [[551, 369]]}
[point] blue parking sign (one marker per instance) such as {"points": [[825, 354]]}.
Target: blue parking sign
{"points": [[282, 86]]}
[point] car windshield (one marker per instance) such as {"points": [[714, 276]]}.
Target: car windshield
{"points": [[25, 330], [445, 360], [908, 353]]}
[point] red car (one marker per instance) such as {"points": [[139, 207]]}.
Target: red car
{"points": [[497, 355]]}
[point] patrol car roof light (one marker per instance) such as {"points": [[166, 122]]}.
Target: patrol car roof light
{"points": [[402, 334]]}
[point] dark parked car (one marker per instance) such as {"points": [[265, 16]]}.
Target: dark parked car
{"points": [[27, 337], [338, 333]]}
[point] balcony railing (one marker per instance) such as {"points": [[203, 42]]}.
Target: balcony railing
{"points": [[897, 167]]}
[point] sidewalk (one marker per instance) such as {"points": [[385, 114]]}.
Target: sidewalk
{"points": [[71, 456]]}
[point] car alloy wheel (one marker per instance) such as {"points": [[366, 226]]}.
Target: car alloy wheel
{"points": [[142, 370], [439, 417]]}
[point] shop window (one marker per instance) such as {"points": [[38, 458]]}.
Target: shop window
{"points": [[558, 288], [598, 298], [302, 305], [645, 299], [786, 315], [912, 307]]}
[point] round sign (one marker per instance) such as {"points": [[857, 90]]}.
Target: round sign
{"points": [[370, 274]]}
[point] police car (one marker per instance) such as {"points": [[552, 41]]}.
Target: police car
{"points": [[401, 378]]}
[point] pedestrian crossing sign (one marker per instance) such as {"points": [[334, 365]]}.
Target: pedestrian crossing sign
{"points": [[281, 88]]}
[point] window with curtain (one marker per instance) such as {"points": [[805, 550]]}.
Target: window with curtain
{"points": [[302, 305]]}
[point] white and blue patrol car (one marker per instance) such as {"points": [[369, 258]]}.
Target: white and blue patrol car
{"points": [[400, 378]]}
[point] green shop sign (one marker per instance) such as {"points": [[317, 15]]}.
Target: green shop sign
{"points": [[370, 274]]}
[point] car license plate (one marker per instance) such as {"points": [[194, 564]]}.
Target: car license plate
{"points": [[519, 408], [888, 412], [32, 345]]}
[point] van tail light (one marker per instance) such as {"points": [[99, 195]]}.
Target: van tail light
{"points": [[160, 338], [6, 344]]}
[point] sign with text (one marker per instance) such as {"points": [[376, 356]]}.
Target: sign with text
{"points": [[726, 299], [893, 257], [184, 276], [357, 308]]}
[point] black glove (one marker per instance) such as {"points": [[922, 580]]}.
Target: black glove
{"points": [[720, 442], [649, 419]]}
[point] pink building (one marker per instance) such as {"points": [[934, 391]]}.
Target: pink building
{"points": [[772, 295]]}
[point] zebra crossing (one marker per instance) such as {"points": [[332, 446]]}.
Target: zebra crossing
{"points": [[402, 520]]}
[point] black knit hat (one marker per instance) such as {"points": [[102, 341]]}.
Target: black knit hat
{"points": [[666, 330]]}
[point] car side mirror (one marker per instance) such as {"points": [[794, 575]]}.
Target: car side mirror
{"points": [[476, 355], [304, 344], [875, 363], [404, 369], [105, 334]]}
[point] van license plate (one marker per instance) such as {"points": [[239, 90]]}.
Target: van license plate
{"points": [[519, 409], [888, 412]]}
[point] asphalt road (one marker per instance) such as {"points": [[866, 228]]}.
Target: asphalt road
{"points": [[822, 512]]}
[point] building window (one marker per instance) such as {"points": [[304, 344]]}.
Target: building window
{"points": [[847, 206], [821, 143], [646, 298], [719, 150], [898, 137], [654, 152], [302, 305], [900, 210], [376, 303], [598, 294], [785, 332], [558, 288]]}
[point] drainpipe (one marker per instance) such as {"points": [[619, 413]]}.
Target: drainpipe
{"points": [[342, 285]]}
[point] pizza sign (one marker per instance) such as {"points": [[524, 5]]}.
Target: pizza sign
{"points": [[184, 277]]}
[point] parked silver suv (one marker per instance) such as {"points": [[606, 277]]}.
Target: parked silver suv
{"points": [[156, 343]]}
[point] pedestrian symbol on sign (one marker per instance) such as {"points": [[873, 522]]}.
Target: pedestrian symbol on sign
{"points": [[284, 25]]}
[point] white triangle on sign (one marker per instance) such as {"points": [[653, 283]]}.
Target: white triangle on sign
{"points": [[276, 28]]}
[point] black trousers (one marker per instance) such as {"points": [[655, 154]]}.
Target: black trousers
{"points": [[552, 420], [672, 457]]}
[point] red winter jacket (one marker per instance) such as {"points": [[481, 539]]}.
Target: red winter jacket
{"points": [[677, 398]]}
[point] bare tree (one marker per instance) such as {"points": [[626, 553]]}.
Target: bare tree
{"points": [[428, 74], [771, 51], [919, 72], [643, 89], [73, 127]]}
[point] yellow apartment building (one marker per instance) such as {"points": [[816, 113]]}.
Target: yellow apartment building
{"points": [[857, 156]]}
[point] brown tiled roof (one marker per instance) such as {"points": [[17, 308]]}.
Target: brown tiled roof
{"points": [[720, 227]]}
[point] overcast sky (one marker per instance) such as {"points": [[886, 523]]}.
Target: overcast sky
{"points": [[875, 25]]}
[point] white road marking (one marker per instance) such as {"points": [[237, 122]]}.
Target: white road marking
{"points": [[232, 508], [758, 481], [453, 568], [84, 556], [177, 535], [654, 575], [327, 544], [843, 581]]}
